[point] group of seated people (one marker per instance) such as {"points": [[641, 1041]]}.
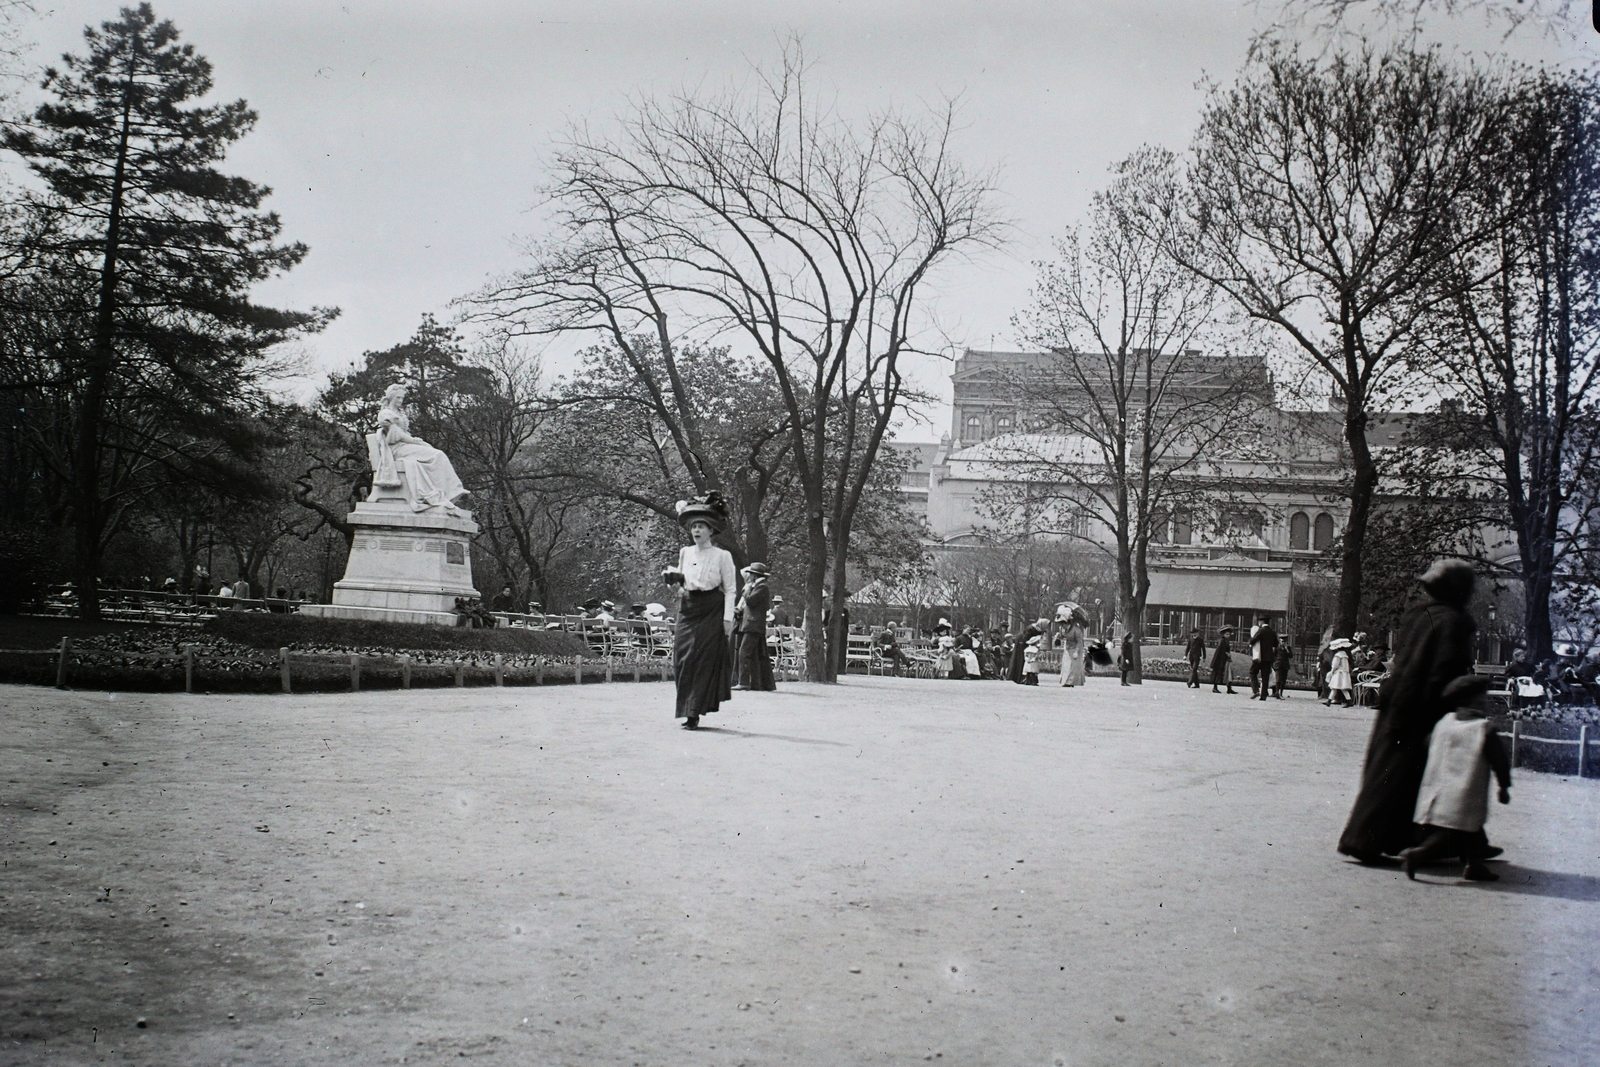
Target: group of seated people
{"points": [[1568, 677]]}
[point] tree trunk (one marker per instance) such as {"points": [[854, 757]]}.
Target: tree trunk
{"points": [[1363, 483], [90, 517], [816, 577]]}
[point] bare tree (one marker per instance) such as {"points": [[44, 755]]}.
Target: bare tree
{"points": [[1318, 197], [1129, 416], [1550, 16], [764, 219], [1517, 342]]}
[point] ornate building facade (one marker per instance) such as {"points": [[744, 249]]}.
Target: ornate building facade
{"points": [[1254, 545]]}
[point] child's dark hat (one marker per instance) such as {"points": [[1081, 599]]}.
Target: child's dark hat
{"points": [[1465, 689]]}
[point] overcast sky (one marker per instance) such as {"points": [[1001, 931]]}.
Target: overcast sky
{"points": [[405, 140]]}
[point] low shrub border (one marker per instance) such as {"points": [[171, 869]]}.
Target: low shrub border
{"points": [[259, 629], [208, 669]]}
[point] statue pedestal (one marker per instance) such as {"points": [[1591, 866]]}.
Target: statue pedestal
{"points": [[405, 566]]}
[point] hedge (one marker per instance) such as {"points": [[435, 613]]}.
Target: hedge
{"points": [[260, 629]]}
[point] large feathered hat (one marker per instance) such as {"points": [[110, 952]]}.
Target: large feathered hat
{"points": [[709, 509]]}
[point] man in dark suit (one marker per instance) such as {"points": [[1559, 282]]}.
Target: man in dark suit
{"points": [[1263, 649]]}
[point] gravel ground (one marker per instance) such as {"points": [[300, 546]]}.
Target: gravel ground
{"points": [[885, 872]]}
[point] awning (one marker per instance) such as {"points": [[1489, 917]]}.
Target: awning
{"points": [[1196, 589]]}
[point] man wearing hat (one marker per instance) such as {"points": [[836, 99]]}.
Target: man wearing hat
{"points": [[1195, 652], [779, 614], [750, 631], [1433, 646]]}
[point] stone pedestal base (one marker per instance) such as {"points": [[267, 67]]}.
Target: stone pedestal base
{"points": [[405, 566]]}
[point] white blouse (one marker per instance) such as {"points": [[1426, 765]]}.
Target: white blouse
{"points": [[711, 568]]}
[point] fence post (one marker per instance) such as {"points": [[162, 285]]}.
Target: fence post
{"points": [[499, 669], [188, 668], [355, 672], [1583, 751], [608, 668], [405, 670], [636, 670], [577, 671], [283, 668], [459, 680], [61, 663], [538, 670], [1516, 736]]}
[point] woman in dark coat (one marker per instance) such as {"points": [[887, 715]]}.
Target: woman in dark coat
{"points": [[1222, 661], [701, 658], [750, 633], [1432, 647]]}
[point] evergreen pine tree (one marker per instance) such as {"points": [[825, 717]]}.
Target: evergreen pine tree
{"points": [[157, 251]]}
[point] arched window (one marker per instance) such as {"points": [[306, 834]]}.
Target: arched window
{"points": [[974, 428], [1003, 424], [1323, 535], [1300, 531]]}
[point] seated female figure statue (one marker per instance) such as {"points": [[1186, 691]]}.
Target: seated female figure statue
{"points": [[429, 480]]}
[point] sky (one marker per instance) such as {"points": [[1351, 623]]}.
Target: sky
{"points": [[406, 142]]}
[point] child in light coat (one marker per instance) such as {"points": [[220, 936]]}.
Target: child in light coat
{"points": [[1340, 685], [1453, 803], [1030, 660]]}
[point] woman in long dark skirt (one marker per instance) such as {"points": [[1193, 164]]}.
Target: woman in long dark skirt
{"points": [[1432, 647], [700, 648]]}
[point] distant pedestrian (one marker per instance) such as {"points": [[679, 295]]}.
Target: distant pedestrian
{"points": [[750, 631], [1453, 802], [1018, 670], [1222, 661], [1282, 664], [1340, 687], [1072, 637], [505, 600], [1125, 656], [1263, 650], [1196, 653], [1030, 660]]}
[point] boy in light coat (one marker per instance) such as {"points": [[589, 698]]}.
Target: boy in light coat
{"points": [[1453, 803]]}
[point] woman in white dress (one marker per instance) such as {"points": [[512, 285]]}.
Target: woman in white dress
{"points": [[1073, 638], [701, 657], [430, 480]]}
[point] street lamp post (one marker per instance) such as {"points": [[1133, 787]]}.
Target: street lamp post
{"points": [[1099, 620]]}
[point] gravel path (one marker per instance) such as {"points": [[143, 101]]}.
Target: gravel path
{"points": [[883, 872]]}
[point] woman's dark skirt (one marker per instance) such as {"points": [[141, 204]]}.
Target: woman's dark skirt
{"points": [[755, 665], [700, 655]]}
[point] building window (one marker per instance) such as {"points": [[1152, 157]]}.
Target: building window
{"points": [[1182, 528], [1300, 531], [1158, 528], [1003, 424], [1323, 536], [1241, 524], [974, 428]]}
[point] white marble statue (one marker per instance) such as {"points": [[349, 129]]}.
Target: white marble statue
{"points": [[399, 460]]}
